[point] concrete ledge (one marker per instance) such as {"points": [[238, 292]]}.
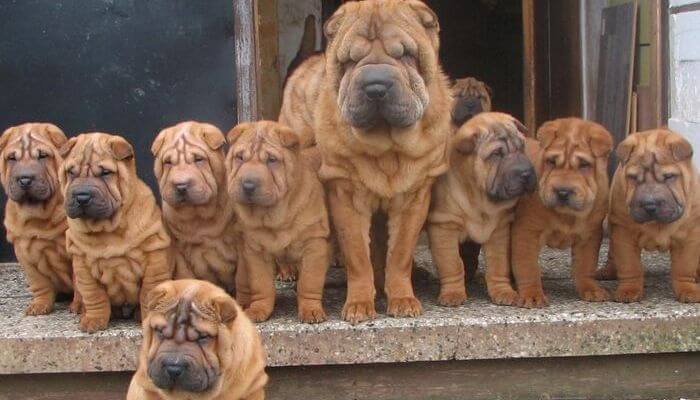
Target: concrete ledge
{"points": [[478, 330]]}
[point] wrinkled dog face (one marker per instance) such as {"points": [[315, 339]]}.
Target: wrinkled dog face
{"points": [[382, 54], [189, 163], [184, 338], [261, 162], [96, 175], [30, 161], [471, 97], [657, 175], [497, 158], [574, 157]]}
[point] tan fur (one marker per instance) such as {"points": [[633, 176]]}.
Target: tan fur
{"points": [[681, 237], [380, 170], [461, 210], [37, 231], [234, 347], [300, 91], [292, 229], [204, 235], [566, 142], [117, 261]]}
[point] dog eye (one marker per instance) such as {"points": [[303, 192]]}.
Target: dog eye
{"points": [[239, 156], [167, 161], [159, 332], [203, 338], [632, 177], [12, 157], [583, 164], [497, 153], [271, 159], [70, 171], [198, 158], [669, 177], [552, 161], [42, 155], [105, 172]]}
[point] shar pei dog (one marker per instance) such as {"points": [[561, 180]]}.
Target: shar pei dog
{"points": [[471, 97], [281, 209], [115, 233], [475, 201], [655, 205], [568, 209], [197, 344], [197, 210], [35, 218], [378, 104]]}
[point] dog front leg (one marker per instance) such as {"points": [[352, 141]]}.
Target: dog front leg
{"points": [[352, 229], [261, 277], [312, 277], [584, 256], [406, 218], [498, 268], [159, 268], [526, 268], [97, 310], [444, 246], [684, 261], [628, 261]]}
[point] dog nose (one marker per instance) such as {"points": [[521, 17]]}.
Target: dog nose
{"points": [[181, 188], [82, 197], [249, 186], [563, 194], [25, 181], [650, 206], [174, 368], [473, 106], [376, 91]]}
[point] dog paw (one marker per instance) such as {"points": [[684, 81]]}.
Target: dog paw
{"points": [[628, 294], [532, 298], [257, 314], [93, 324], [452, 299], [39, 307], [594, 293], [505, 297], [357, 311], [404, 307], [312, 313], [688, 295]]}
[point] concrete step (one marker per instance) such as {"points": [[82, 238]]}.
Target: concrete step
{"points": [[477, 330]]}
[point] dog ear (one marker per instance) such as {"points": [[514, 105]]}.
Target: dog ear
{"points": [[5, 137], [213, 137], [67, 147], [161, 298], [465, 140], [225, 308], [120, 148], [427, 17], [236, 132], [288, 137], [332, 25], [601, 141], [681, 149], [56, 135], [547, 133], [158, 142], [489, 91], [625, 148]]}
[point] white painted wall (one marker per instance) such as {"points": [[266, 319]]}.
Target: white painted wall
{"points": [[684, 74]]}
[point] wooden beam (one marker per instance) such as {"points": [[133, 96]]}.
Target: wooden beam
{"points": [[246, 60], [269, 93], [529, 68]]}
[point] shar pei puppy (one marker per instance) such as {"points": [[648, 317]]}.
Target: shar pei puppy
{"points": [[35, 219], [115, 232], [281, 209], [475, 201], [655, 205], [568, 209], [378, 104], [197, 210], [471, 97], [197, 344]]}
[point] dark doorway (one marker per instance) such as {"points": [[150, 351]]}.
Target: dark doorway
{"points": [[484, 39]]}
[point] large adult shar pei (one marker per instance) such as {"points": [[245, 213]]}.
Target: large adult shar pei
{"points": [[115, 233], [381, 118]]}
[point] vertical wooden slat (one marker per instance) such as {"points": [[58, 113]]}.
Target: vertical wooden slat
{"points": [[657, 83], [269, 93], [244, 47], [529, 69]]}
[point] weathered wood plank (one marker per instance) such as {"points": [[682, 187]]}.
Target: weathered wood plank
{"points": [[244, 48]]}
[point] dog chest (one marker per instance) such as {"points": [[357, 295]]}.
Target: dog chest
{"points": [[48, 257], [120, 276]]}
